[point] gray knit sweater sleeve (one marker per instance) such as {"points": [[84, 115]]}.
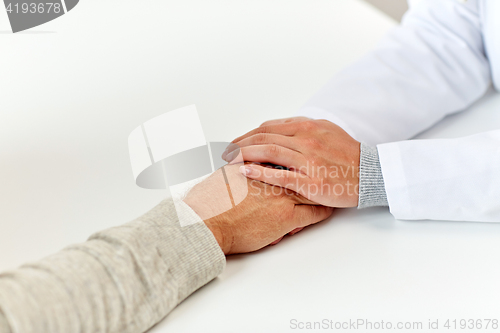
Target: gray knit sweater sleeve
{"points": [[124, 279], [371, 182]]}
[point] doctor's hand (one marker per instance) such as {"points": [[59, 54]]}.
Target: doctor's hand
{"points": [[322, 159], [263, 217]]}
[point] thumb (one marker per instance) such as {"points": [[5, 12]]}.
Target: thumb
{"points": [[302, 200]]}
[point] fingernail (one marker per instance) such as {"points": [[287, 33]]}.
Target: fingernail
{"points": [[224, 154], [228, 157], [245, 170]]}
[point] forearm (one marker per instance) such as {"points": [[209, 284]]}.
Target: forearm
{"points": [[124, 279]]}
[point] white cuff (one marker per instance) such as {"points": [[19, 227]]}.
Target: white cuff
{"points": [[396, 185]]}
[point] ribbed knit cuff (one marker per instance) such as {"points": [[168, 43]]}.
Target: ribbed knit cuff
{"points": [[371, 182]]}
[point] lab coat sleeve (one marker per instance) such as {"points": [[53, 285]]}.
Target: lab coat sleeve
{"points": [[432, 65], [444, 179]]}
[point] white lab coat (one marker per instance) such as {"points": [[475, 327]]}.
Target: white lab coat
{"points": [[440, 60]]}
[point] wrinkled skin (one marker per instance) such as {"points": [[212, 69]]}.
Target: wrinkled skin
{"points": [[263, 217], [322, 159]]}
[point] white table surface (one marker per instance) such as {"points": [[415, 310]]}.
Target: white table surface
{"points": [[72, 90]]}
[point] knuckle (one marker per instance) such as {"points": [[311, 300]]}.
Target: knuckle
{"points": [[316, 213], [256, 131], [284, 179], [263, 130], [273, 151], [309, 125], [260, 138], [313, 212]]}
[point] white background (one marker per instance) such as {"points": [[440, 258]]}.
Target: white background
{"points": [[72, 90]]}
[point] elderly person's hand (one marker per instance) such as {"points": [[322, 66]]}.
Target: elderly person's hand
{"points": [[322, 159], [263, 217]]}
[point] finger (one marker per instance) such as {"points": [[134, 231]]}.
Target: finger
{"points": [[234, 157], [282, 129], [294, 181], [309, 214], [283, 121], [262, 139], [277, 241], [301, 199], [230, 148], [274, 154], [296, 230]]}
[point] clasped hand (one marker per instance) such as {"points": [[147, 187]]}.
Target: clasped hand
{"points": [[321, 166], [321, 158]]}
